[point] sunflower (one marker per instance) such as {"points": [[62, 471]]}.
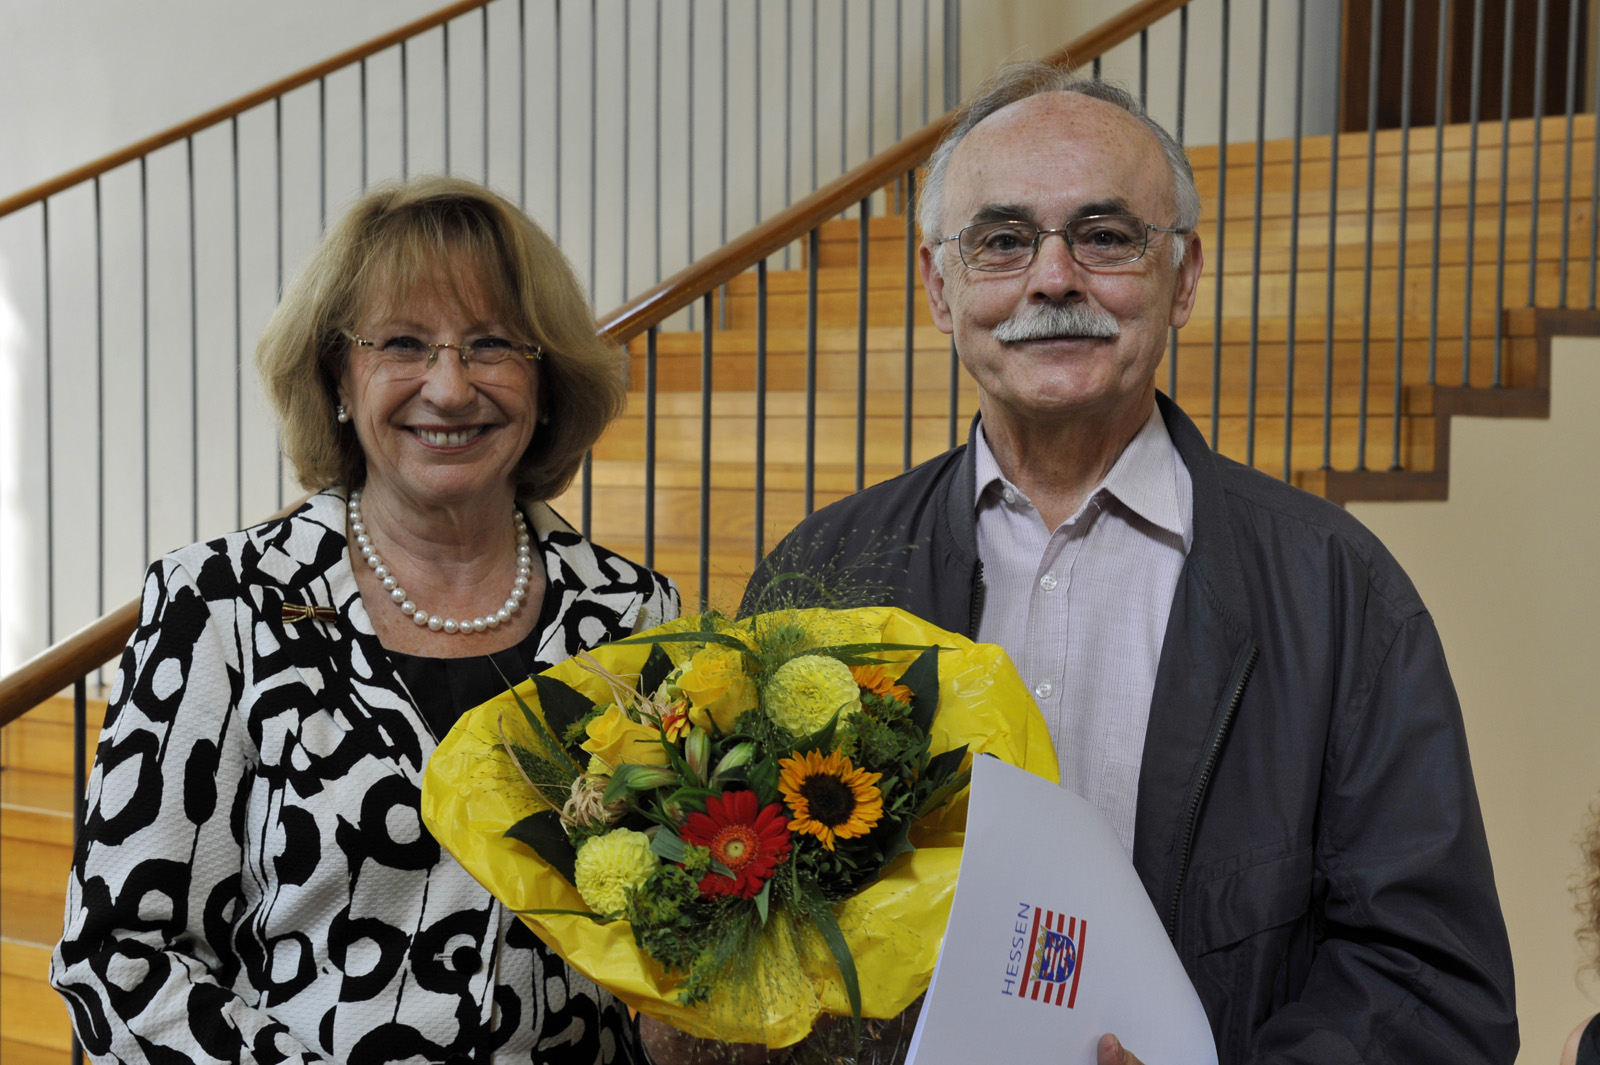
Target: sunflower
{"points": [[878, 681], [829, 797], [743, 836]]}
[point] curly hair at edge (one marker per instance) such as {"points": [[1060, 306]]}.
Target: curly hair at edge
{"points": [[474, 248], [1586, 891]]}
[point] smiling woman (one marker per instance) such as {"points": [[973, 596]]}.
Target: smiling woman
{"points": [[437, 377]]}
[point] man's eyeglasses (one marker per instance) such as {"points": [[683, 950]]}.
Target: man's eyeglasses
{"points": [[1097, 240], [406, 356]]}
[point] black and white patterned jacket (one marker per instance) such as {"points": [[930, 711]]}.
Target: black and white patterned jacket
{"points": [[253, 881]]}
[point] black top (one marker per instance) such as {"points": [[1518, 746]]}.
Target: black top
{"points": [[446, 688], [1589, 1043]]}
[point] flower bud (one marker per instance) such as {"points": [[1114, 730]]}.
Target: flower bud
{"points": [[740, 755], [697, 752]]}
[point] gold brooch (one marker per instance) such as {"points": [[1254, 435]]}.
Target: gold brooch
{"points": [[293, 612]]}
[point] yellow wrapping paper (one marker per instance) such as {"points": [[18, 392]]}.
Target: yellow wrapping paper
{"points": [[472, 793]]}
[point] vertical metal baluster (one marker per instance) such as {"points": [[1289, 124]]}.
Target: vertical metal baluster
{"points": [[813, 248], [363, 136], [1373, 54], [689, 154], [899, 63], [1505, 179], [910, 308], [861, 345], [1183, 84], [194, 351], [722, 142], [844, 86], [656, 128], [445, 68], [788, 113], [761, 407], [49, 444], [650, 391], [1333, 250], [1566, 178], [1472, 191], [555, 93], [627, 132], [1539, 49], [1144, 67], [705, 454], [80, 755], [483, 72], [952, 56], [522, 104], [405, 112], [277, 164], [238, 325], [872, 73], [322, 154], [1222, 221], [1439, 92], [927, 83], [1594, 187], [1096, 68], [144, 351], [1294, 241], [1255, 266], [814, 115], [1406, 69], [594, 161], [99, 408], [755, 113]]}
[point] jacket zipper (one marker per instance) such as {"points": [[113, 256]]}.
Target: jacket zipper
{"points": [[1200, 789]]}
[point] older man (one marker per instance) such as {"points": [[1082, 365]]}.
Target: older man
{"points": [[1236, 673]]}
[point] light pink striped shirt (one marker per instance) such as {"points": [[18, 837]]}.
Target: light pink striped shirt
{"points": [[1083, 610]]}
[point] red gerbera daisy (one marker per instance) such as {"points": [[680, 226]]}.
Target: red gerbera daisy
{"points": [[748, 840]]}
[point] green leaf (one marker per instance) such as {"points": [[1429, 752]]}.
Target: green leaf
{"points": [[763, 780], [655, 670], [542, 832], [944, 793], [563, 705], [764, 900], [688, 637], [667, 844], [628, 778], [922, 677], [554, 749], [595, 917], [828, 926], [859, 650], [820, 740], [940, 766]]}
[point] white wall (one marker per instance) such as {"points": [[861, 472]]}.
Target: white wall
{"points": [[1510, 568]]}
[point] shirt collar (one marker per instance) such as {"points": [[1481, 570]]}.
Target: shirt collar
{"points": [[1142, 479]]}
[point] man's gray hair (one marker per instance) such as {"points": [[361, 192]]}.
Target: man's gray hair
{"points": [[1015, 82]]}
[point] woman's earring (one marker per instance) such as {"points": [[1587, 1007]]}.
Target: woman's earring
{"points": [[341, 414]]}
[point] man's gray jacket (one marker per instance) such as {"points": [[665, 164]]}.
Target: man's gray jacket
{"points": [[1307, 823]]}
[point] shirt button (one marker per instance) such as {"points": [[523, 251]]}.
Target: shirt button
{"points": [[1009, 495], [1048, 582], [1044, 689]]}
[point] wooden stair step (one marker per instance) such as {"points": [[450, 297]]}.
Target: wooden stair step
{"points": [[35, 1015]]}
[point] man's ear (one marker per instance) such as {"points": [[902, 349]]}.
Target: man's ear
{"points": [[1188, 281], [933, 281]]}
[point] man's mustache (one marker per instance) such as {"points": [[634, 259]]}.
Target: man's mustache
{"points": [[1048, 321]]}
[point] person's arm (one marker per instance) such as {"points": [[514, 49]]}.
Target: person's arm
{"points": [[145, 960]]}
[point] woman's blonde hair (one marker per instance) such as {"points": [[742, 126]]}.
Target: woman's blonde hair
{"points": [[464, 240]]}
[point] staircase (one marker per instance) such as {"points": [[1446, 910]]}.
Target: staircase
{"points": [[35, 854], [1443, 316]]}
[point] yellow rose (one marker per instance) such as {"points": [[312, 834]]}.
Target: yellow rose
{"points": [[718, 688], [614, 738], [808, 690], [611, 866]]}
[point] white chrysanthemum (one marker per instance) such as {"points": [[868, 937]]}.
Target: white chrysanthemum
{"points": [[808, 690], [611, 865]]}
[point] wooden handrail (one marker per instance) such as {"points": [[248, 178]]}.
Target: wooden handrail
{"points": [[61, 664], [216, 115], [703, 275]]}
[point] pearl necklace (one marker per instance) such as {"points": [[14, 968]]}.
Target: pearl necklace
{"points": [[434, 622]]}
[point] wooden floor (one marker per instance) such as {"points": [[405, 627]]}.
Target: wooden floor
{"points": [[1339, 317]]}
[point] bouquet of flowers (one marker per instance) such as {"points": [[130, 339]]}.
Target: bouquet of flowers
{"points": [[736, 826]]}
